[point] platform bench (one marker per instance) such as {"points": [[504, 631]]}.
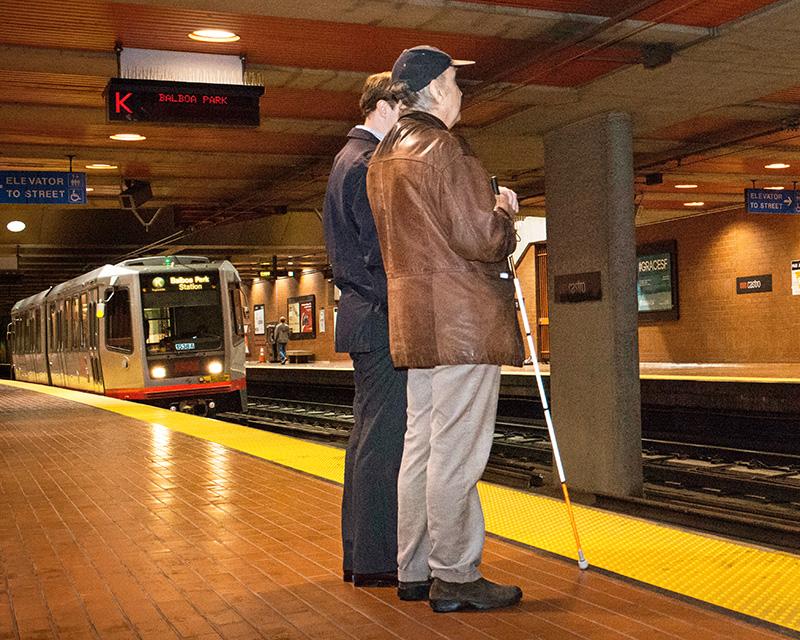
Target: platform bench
{"points": [[299, 355]]}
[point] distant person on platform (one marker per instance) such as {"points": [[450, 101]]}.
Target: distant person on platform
{"points": [[282, 338], [444, 237], [375, 448]]}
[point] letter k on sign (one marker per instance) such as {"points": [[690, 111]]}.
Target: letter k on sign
{"points": [[120, 102]]}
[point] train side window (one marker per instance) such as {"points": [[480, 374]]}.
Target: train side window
{"points": [[84, 305], [237, 315], [68, 325], [26, 323], [60, 327], [50, 328], [119, 333], [76, 323], [57, 327], [37, 339], [92, 324], [29, 332]]}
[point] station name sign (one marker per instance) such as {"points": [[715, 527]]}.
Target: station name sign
{"points": [[162, 101], [783, 201], [754, 284], [42, 187], [578, 287]]}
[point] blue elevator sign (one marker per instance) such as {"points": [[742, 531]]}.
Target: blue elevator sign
{"points": [[42, 187], [772, 201]]}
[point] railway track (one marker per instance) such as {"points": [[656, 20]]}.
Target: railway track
{"points": [[752, 493]]}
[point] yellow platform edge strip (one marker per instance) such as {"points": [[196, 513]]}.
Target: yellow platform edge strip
{"points": [[757, 582]]}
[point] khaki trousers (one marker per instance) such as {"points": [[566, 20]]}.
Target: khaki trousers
{"points": [[451, 420]]}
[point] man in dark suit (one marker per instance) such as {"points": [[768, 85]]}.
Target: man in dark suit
{"points": [[375, 448]]}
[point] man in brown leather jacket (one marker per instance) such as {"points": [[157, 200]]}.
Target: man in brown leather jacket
{"points": [[444, 238]]}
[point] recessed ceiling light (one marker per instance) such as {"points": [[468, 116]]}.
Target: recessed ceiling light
{"points": [[290, 263], [128, 137], [686, 186], [15, 226], [693, 204], [213, 35], [777, 165], [101, 165], [775, 188], [88, 189]]}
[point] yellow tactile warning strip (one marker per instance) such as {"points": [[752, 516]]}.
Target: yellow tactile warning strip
{"points": [[699, 378], [691, 377], [753, 581]]}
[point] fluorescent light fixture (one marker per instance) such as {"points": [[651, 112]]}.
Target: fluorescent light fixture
{"points": [[128, 137], [213, 35], [15, 226], [101, 165], [693, 204], [777, 165], [686, 186], [88, 189], [775, 188]]}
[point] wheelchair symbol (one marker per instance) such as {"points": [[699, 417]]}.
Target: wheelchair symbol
{"points": [[75, 196]]}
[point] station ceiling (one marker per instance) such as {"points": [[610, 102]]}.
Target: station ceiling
{"points": [[713, 87]]}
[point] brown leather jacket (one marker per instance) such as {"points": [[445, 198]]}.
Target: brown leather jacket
{"points": [[444, 248]]}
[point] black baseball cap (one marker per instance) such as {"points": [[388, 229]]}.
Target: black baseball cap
{"points": [[418, 66]]}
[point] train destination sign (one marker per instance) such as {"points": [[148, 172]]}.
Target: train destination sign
{"points": [[42, 187], [182, 283], [784, 201], [129, 100]]}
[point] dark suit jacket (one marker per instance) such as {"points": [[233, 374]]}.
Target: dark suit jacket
{"points": [[362, 322]]}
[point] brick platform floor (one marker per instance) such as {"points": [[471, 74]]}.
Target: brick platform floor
{"points": [[114, 528]]}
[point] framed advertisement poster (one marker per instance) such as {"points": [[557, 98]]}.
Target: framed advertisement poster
{"points": [[301, 317], [657, 281], [258, 319]]}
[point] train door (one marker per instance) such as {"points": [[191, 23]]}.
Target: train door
{"points": [[86, 378], [542, 308], [18, 328], [122, 364], [10, 345], [39, 356], [93, 341], [56, 354]]}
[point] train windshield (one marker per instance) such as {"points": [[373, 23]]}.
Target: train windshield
{"points": [[182, 312]]}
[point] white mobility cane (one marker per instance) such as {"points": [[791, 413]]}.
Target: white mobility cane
{"points": [[582, 562]]}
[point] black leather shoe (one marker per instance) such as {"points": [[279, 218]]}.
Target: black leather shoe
{"points": [[375, 579], [347, 575], [479, 594], [414, 591]]}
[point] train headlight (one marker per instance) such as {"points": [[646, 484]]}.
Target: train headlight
{"points": [[158, 372], [215, 367]]}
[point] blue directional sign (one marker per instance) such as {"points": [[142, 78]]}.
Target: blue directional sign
{"points": [[42, 187], [772, 201]]}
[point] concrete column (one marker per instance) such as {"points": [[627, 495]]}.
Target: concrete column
{"points": [[594, 342]]}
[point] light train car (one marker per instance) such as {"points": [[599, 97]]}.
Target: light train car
{"points": [[166, 331]]}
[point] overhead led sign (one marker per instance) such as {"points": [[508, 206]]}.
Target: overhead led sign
{"points": [[163, 101]]}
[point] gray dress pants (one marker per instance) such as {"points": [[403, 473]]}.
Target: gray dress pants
{"points": [[451, 420]]}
